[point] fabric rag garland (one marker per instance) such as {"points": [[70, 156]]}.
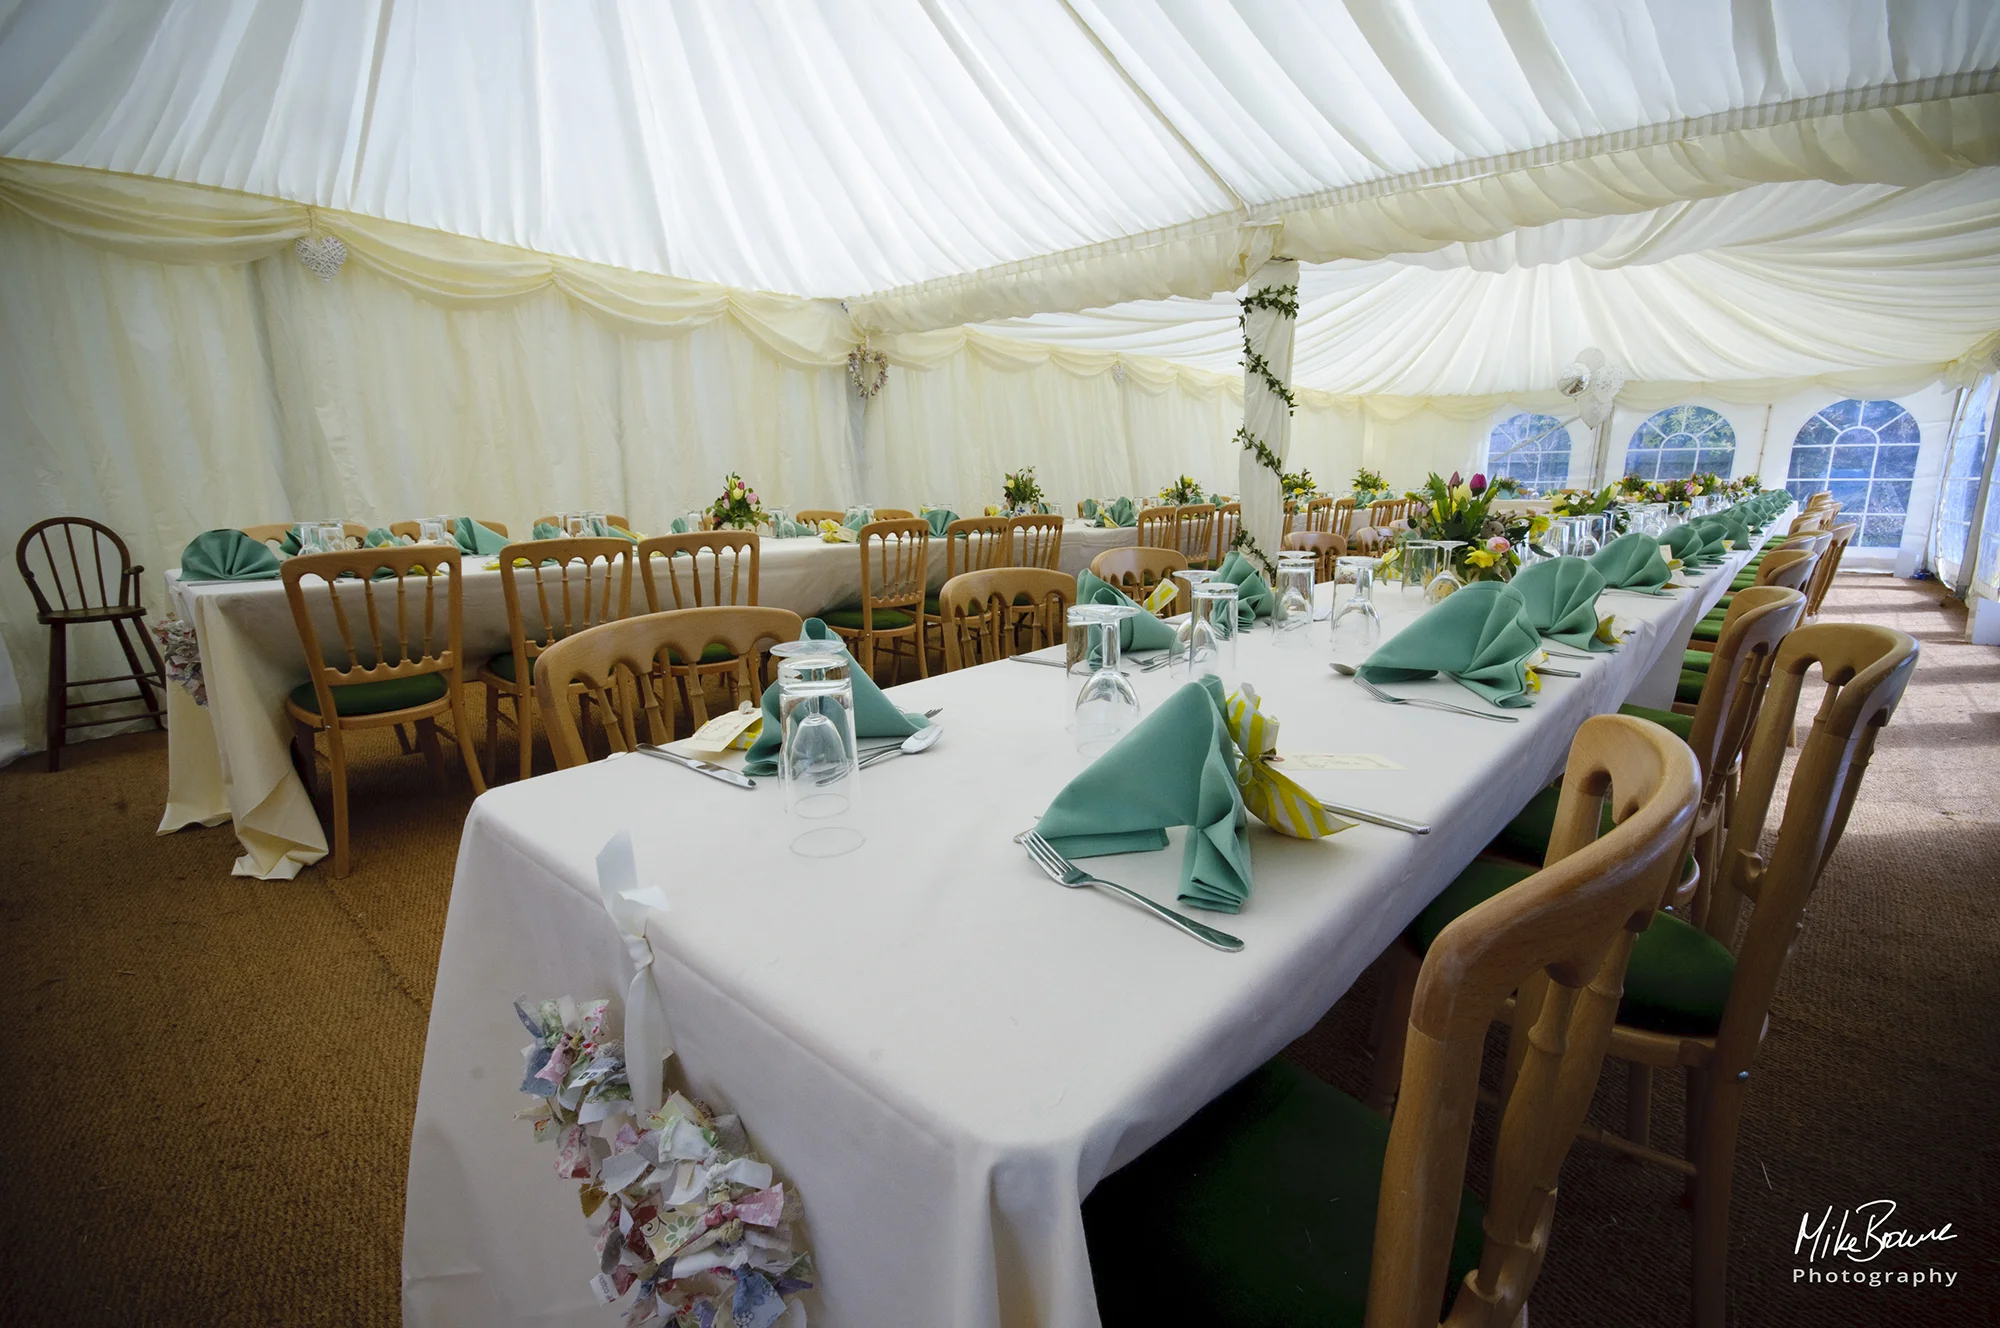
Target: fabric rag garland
{"points": [[181, 653], [1271, 797]]}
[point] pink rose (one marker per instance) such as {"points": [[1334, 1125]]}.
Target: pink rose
{"points": [[1498, 544]]}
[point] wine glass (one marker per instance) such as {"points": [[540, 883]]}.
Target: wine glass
{"points": [[1296, 569], [1212, 631], [1583, 541], [1417, 564], [430, 530], [1194, 577], [1357, 627], [1106, 706], [1446, 581], [818, 759], [575, 525]]}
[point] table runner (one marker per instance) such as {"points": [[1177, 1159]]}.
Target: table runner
{"points": [[231, 759], [942, 1050]]}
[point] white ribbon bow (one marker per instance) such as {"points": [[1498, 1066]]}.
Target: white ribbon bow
{"points": [[647, 1040]]}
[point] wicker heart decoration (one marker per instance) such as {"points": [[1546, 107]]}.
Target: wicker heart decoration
{"points": [[322, 255]]}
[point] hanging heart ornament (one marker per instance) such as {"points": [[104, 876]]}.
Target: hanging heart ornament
{"points": [[321, 254]]}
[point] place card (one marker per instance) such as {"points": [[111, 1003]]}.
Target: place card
{"points": [[1335, 761], [722, 730]]}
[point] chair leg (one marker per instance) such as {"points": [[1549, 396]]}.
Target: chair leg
{"points": [[1399, 991], [524, 729], [867, 657], [694, 690], [427, 742], [159, 671], [917, 649], [1715, 1161], [492, 734], [336, 752], [58, 715], [1638, 1102], [464, 737], [403, 739]]}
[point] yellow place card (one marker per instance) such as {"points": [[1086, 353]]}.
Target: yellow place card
{"points": [[723, 730], [1335, 761]]}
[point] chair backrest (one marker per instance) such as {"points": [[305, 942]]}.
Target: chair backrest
{"points": [[611, 517], [1037, 541], [84, 564], [975, 543], [1381, 513], [1137, 569], [1829, 566], [1369, 539], [893, 514], [616, 661], [381, 628], [1337, 515], [1807, 521], [1196, 538], [895, 567], [1757, 621], [1865, 668], [722, 561], [273, 532], [573, 584], [1323, 543], [980, 612], [1160, 527], [811, 515], [1228, 525], [1785, 567], [1562, 938]]}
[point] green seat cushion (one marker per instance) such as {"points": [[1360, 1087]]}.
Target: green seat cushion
{"points": [[1478, 883], [1744, 582], [1527, 836], [1688, 690], [1681, 726], [1708, 631], [931, 606], [712, 653], [1259, 1212], [1678, 980], [374, 698], [1696, 661], [886, 620], [504, 666]]}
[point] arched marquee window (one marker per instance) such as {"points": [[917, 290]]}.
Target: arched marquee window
{"points": [[1533, 449], [1681, 441], [1865, 454]]}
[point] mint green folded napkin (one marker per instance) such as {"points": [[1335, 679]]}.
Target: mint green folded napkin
{"points": [[380, 537], [1713, 532], [678, 526], [1087, 509], [227, 555], [476, 539], [546, 530], [1122, 513], [1139, 631], [290, 545], [875, 715], [1178, 767], [609, 531], [939, 517], [857, 521], [1254, 599], [1632, 562], [1686, 542], [1561, 599], [786, 528], [1479, 637]]}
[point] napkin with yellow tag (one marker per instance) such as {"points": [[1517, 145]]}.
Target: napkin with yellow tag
{"points": [[1140, 631], [1632, 562], [1480, 637], [1561, 598], [1271, 797]]}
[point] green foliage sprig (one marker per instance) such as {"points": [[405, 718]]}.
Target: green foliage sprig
{"points": [[1283, 300]]}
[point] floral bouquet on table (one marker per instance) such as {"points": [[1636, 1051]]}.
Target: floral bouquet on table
{"points": [[1503, 486], [1632, 489], [1463, 510], [1183, 492], [1676, 493], [737, 508], [1747, 487], [1298, 488], [1369, 487], [1021, 491], [1608, 501]]}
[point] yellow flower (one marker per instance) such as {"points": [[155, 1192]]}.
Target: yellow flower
{"points": [[1604, 632], [1462, 494], [1537, 524], [1695, 490], [1480, 558]]}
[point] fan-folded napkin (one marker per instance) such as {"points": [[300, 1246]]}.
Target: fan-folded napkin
{"points": [[1480, 637], [875, 716]]}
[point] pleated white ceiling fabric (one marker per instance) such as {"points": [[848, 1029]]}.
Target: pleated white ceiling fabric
{"points": [[944, 161]]}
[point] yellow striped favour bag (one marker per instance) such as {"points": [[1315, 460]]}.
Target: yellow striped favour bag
{"points": [[1273, 798]]}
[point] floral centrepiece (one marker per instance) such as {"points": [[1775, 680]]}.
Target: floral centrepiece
{"points": [[1609, 500], [1021, 491], [1183, 492], [1369, 487], [1298, 488], [737, 508], [1462, 510], [678, 1206]]}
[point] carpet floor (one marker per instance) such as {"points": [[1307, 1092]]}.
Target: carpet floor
{"points": [[218, 1075]]}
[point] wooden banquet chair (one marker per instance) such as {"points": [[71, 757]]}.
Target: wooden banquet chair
{"points": [[1037, 541], [577, 583], [614, 665], [708, 568], [1228, 525], [611, 518], [1828, 568], [895, 566], [401, 663], [1292, 515], [275, 531], [412, 529], [1136, 569], [1286, 1202], [1159, 528], [1324, 545], [1787, 567], [971, 544], [108, 593], [981, 614], [1338, 516], [1195, 536], [893, 514], [813, 515]]}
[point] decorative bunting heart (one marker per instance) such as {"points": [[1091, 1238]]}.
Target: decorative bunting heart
{"points": [[322, 255]]}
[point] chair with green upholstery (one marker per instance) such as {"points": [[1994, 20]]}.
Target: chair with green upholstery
{"points": [[1828, 567], [972, 544], [572, 584], [705, 569], [1285, 1202], [895, 573], [396, 660], [1788, 566]]}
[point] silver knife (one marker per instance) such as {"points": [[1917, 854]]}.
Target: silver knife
{"points": [[1377, 818], [709, 768]]}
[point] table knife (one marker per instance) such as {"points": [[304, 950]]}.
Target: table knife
{"points": [[709, 768]]}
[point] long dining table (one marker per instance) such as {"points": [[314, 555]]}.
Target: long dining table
{"points": [[230, 758], [940, 1050]]}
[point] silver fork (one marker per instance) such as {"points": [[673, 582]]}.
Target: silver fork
{"points": [[1424, 701], [1064, 872]]}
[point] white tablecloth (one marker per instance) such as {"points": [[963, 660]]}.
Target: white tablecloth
{"points": [[938, 1048], [231, 759]]}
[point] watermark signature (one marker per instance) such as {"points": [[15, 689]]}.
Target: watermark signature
{"points": [[1861, 1235]]}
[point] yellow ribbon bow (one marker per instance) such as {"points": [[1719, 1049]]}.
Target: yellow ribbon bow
{"points": [[1271, 797]]}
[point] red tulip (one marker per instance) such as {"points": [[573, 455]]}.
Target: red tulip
{"points": [[1453, 482], [1478, 484]]}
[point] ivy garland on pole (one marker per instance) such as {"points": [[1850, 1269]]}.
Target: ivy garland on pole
{"points": [[1283, 300]]}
